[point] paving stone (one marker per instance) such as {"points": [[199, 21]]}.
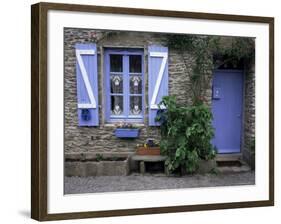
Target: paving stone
{"points": [[137, 182]]}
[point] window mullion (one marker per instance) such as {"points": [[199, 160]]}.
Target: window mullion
{"points": [[126, 84]]}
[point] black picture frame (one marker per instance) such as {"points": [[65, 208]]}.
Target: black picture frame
{"points": [[39, 106]]}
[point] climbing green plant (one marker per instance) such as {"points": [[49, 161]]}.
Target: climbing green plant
{"points": [[186, 132], [209, 53], [199, 47]]}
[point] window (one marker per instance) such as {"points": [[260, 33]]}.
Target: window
{"points": [[124, 85]]}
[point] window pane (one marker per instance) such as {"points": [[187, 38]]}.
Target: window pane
{"points": [[116, 105], [135, 105], [135, 64], [116, 63], [135, 84], [116, 84]]}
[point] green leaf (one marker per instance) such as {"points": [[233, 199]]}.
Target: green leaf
{"points": [[186, 136]]}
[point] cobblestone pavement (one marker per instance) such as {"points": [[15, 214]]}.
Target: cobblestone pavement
{"points": [[135, 182]]}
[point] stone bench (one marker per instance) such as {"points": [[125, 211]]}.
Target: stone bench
{"points": [[142, 159]]}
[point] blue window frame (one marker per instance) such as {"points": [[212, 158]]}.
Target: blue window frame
{"points": [[124, 85]]}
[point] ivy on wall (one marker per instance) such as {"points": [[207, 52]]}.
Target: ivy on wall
{"points": [[211, 52]]}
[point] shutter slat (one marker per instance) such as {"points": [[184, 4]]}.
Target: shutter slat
{"points": [[87, 84], [157, 79]]}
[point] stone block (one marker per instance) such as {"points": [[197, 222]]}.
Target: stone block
{"points": [[94, 168], [206, 166]]}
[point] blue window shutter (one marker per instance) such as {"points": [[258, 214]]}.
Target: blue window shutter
{"points": [[87, 84], [157, 79]]}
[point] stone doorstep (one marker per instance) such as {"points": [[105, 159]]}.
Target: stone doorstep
{"points": [[234, 169], [228, 157]]}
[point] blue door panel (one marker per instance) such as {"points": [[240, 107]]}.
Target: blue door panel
{"points": [[227, 110]]}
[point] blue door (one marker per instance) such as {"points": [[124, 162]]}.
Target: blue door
{"points": [[227, 100]]}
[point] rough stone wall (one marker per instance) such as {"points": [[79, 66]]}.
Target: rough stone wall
{"points": [[249, 116], [101, 139]]}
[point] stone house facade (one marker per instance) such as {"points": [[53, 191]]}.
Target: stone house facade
{"points": [[90, 140]]}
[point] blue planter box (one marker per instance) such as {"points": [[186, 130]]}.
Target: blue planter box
{"points": [[127, 132]]}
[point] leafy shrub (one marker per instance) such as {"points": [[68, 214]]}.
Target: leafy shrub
{"points": [[186, 133]]}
